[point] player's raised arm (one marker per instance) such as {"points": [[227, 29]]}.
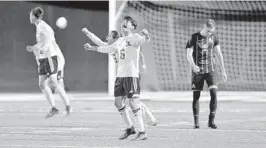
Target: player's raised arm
{"points": [[103, 49], [93, 37], [141, 38]]}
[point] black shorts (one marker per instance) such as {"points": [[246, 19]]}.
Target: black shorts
{"points": [[127, 86], [198, 80], [60, 74], [48, 68]]}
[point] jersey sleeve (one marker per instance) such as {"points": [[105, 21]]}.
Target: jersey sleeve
{"points": [[190, 42], [96, 40], [139, 40], [110, 48]]}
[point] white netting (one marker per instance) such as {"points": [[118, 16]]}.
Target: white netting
{"points": [[241, 31]]}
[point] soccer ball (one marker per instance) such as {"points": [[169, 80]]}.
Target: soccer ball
{"points": [[61, 22]]}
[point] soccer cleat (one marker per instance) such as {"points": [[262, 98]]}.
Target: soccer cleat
{"points": [[153, 123], [129, 131], [141, 136], [212, 125], [52, 112], [196, 126], [196, 122], [68, 110]]}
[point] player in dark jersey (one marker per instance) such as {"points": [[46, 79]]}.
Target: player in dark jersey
{"points": [[202, 48]]}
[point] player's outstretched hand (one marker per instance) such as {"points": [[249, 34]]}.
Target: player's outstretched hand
{"points": [[85, 31], [224, 75], [196, 68], [145, 32], [87, 46], [29, 48]]}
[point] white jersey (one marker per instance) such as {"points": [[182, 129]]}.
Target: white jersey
{"points": [[127, 48], [45, 41]]}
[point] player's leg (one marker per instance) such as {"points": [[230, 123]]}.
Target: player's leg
{"points": [[147, 113], [52, 88], [119, 103], [44, 86], [211, 79], [132, 87], [61, 80], [53, 80], [197, 87]]}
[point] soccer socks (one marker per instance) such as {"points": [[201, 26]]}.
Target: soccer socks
{"points": [[49, 96], [213, 104], [61, 91], [147, 111], [125, 115], [138, 115], [195, 106]]}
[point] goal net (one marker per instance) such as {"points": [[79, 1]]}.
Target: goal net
{"points": [[241, 29]]}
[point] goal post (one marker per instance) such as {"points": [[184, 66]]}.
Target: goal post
{"points": [[115, 9]]}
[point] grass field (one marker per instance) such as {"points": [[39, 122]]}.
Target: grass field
{"points": [[95, 123]]}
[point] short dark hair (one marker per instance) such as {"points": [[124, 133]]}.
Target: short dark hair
{"points": [[133, 22], [115, 34], [37, 12], [210, 23]]}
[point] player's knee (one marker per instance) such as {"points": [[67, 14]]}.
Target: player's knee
{"points": [[42, 85], [61, 82], [54, 83], [119, 103], [134, 103], [213, 93], [196, 95]]}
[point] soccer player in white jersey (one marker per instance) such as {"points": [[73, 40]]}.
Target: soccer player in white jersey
{"points": [[127, 81], [111, 38], [46, 52]]}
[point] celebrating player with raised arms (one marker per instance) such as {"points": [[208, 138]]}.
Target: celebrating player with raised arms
{"points": [[127, 81], [202, 48], [111, 38], [46, 53]]}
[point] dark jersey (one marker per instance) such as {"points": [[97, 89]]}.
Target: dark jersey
{"points": [[203, 51]]}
